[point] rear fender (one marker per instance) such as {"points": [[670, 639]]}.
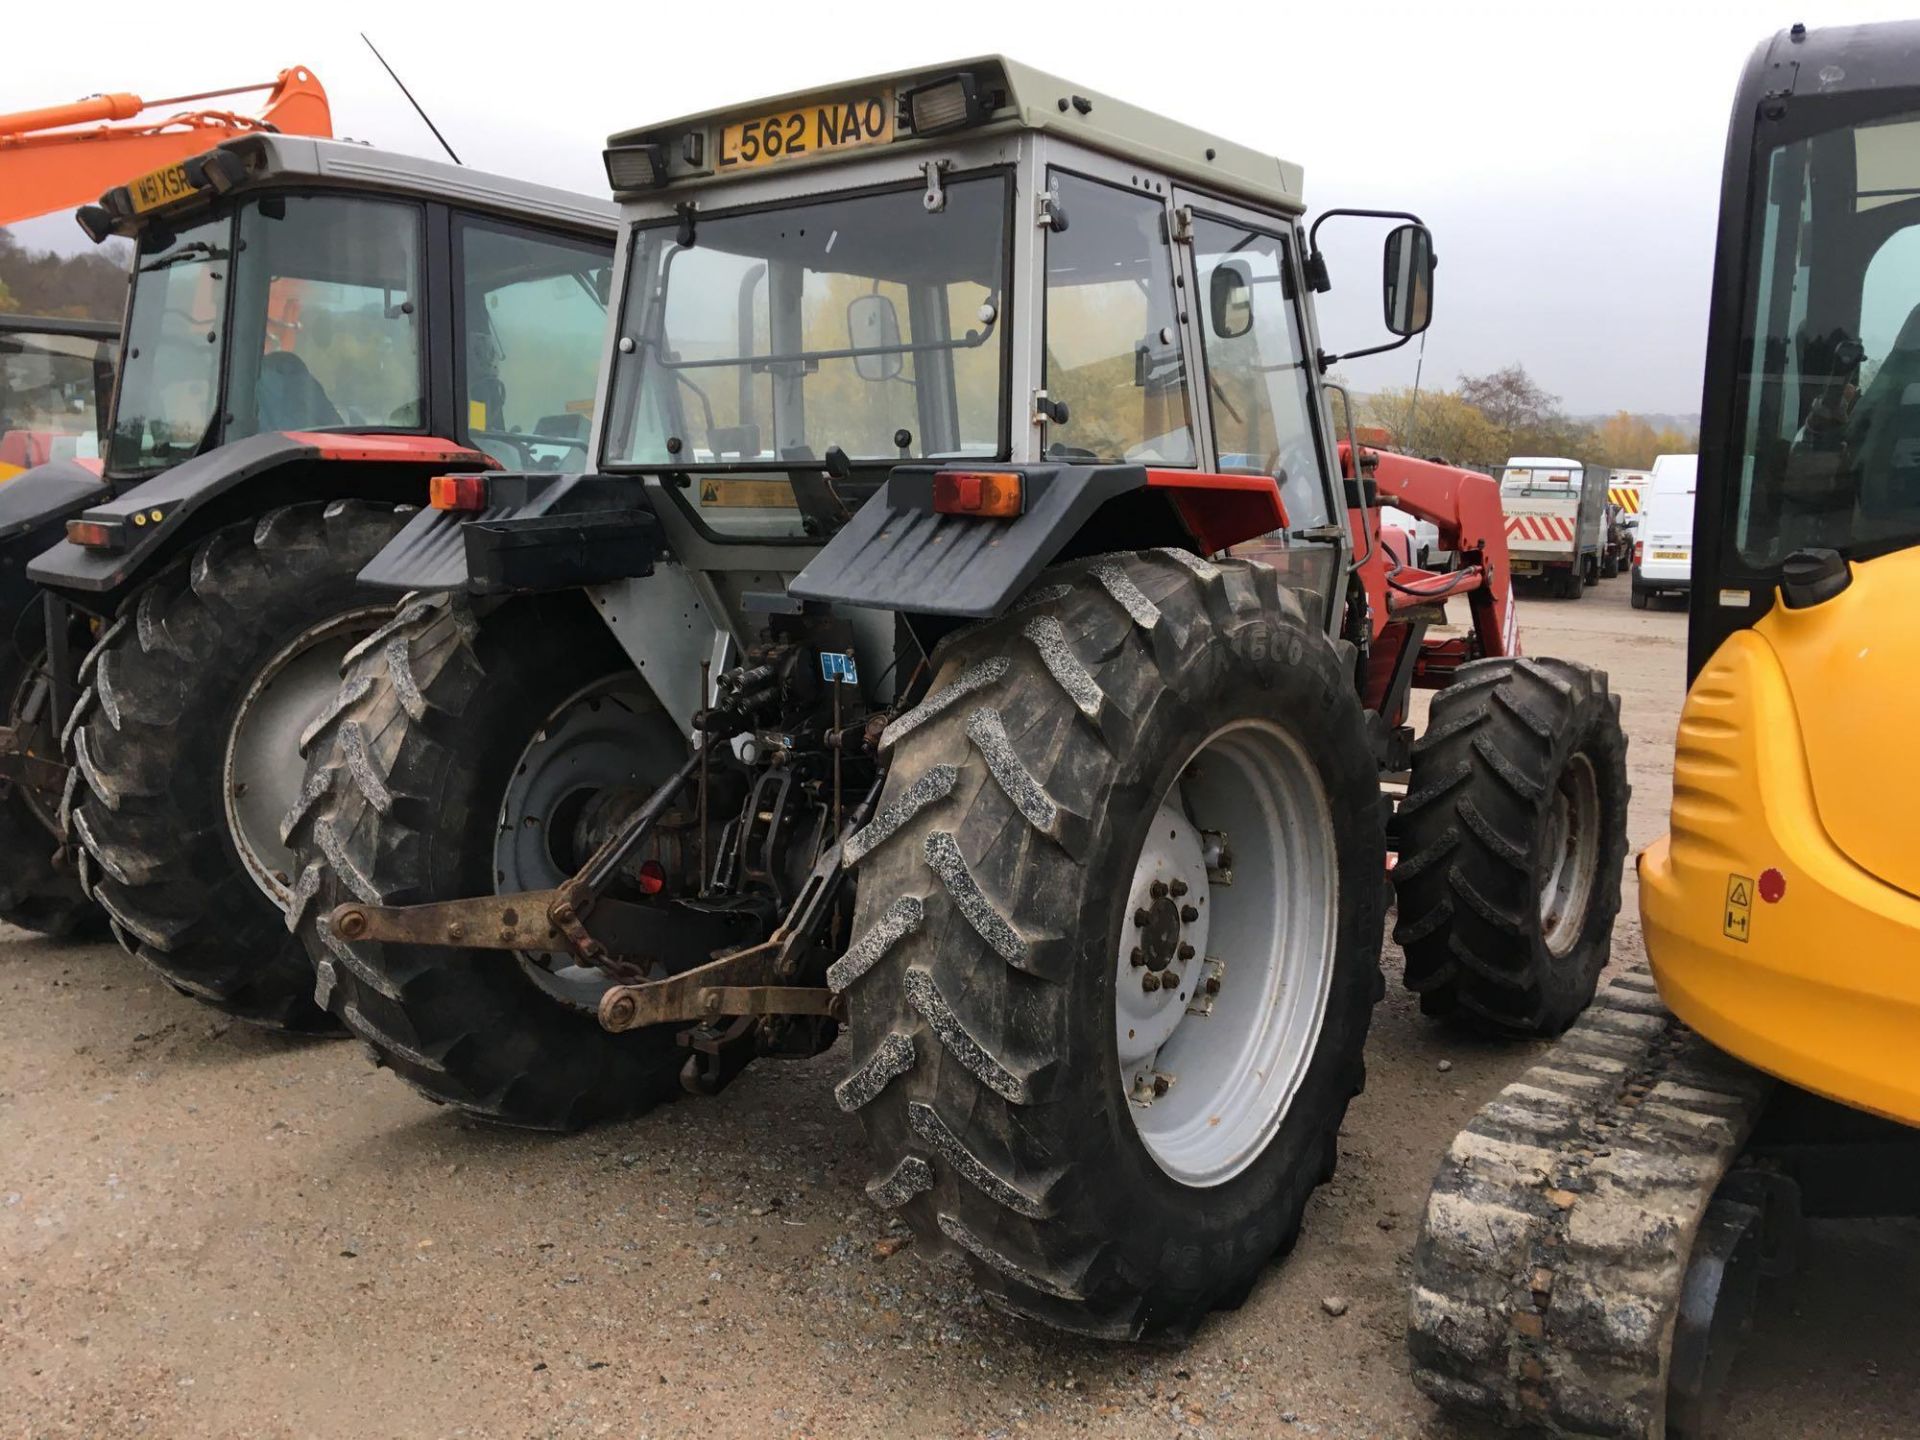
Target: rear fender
{"points": [[897, 553], [537, 532], [153, 521], [39, 500]]}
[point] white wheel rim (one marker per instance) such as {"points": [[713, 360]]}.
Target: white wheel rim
{"points": [[1208, 1074], [1572, 852], [261, 771]]}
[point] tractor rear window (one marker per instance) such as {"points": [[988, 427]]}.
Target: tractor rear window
{"points": [[326, 317], [864, 322]]}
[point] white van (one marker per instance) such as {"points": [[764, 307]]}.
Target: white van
{"points": [[1663, 550]]}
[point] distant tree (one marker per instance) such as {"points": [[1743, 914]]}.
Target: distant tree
{"points": [[1436, 422], [1625, 442], [1510, 399]]}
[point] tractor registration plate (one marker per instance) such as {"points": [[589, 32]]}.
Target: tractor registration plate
{"points": [[845, 123], [157, 187]]}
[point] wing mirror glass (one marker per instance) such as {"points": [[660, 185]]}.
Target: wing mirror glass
{"points": [[873, 333], [1408, 281], [1230, 299]]}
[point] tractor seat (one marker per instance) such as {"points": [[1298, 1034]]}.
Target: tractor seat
{"points": [[289, 397]]}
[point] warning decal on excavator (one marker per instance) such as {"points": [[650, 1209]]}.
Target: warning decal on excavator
{"points": [[1739, 909]]}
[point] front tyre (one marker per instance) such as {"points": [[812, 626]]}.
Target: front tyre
{"points": [[1116, 942], [1511, 841], [186, 738]]}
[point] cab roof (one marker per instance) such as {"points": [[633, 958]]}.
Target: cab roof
{"points": [[278, 161], [1015, 97]]}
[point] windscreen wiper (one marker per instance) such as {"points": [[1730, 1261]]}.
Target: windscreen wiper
{"points": [[192, 250]]}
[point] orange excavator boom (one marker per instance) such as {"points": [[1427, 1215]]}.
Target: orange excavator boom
{"points": [[61, 156]]}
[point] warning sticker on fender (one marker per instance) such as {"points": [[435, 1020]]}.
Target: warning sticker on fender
{"points": [[1737, 916]]}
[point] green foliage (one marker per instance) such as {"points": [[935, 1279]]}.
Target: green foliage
{"points": [[91, 285], [1488, 418]]}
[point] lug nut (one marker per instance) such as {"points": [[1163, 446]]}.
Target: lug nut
{"points": [[1178, 888], [1150, 982], [1139, 956], [1213, 984], [1140, 919], [1189, 913], [1185, 952], [1161, 1085], [1158, 889]]}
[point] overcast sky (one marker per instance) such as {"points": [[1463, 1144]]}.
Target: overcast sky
{"points": [[1567, 157]]}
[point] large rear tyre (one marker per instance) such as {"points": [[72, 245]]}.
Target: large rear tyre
{"points": [[1511, 841], [37, 892], [456, 745], [186, 740], [1144, 795]]}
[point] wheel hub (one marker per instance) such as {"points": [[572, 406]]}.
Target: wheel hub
{"points": [[582, 772], [262, 769], [1220, 988]]}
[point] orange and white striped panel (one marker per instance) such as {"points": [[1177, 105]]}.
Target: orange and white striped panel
{"points": [[1539, 527], [1627, 497]]}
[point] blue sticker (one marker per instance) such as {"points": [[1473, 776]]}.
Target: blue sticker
{"points": [[834, 665]]}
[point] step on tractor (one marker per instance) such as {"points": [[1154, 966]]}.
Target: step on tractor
{"points": [[892, 674], [1597, 1236], [314, 330]]}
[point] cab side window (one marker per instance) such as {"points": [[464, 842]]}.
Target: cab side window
{"points": [[533, 319], [1259, 396], [330, 285], [1112, 337]]}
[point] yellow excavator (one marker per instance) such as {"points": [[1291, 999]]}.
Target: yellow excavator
{"points": [[1594, 1238]]}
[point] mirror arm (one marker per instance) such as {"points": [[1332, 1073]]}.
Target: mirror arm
{"points": [[1327, 361], [1316, 263]]}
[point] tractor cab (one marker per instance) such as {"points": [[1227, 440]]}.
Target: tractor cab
{"points": [[979, 271], [279, 286]]}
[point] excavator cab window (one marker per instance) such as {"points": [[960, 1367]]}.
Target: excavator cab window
{"points": [[1831, 387]]}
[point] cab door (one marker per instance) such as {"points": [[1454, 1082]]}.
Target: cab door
{"points": [[1260, 407]]}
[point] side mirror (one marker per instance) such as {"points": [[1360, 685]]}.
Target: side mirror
{"points": [[1408, 283], [1230, 299], [873, 332]]}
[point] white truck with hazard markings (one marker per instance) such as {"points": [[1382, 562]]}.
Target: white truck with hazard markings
{"points": [[1556, 520]]}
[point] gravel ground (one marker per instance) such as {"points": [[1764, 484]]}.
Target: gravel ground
{"points": [[209, 1231]]}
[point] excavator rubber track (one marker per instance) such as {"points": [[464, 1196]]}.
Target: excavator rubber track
{"points": [[1549, 1274]]}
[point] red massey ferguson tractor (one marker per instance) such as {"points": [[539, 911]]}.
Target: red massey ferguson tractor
{"points": [[893, 675]]}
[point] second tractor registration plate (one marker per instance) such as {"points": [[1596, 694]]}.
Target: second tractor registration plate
{"points": [[824, 125], [157, 187]]}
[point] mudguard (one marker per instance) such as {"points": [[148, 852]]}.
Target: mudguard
{"points": [[147, 523], [55, 492], [536, 532], [898, 553]]}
